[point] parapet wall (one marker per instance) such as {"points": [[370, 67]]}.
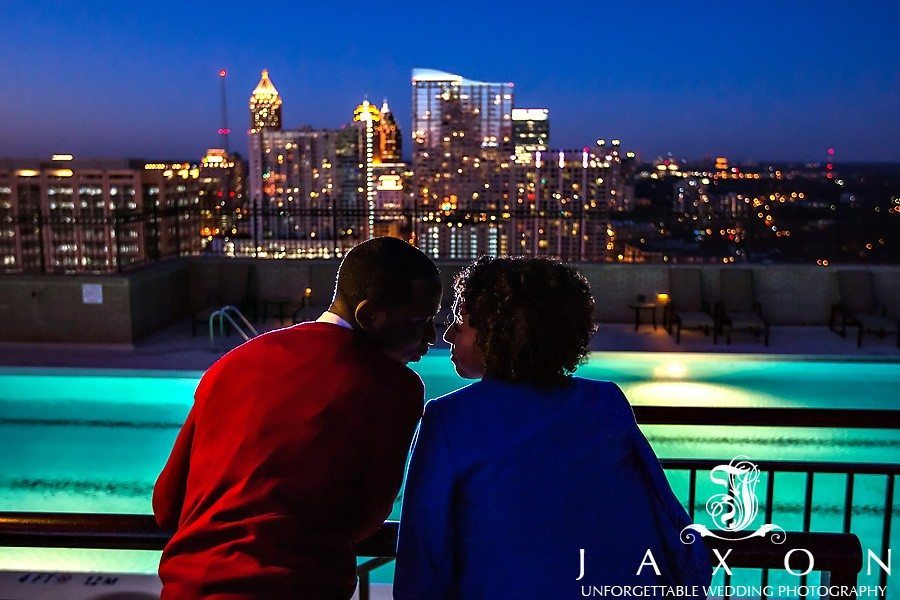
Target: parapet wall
{"points": [[58, 308]]}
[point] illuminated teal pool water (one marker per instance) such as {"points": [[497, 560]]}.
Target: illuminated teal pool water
{"points": [[94, 441]]}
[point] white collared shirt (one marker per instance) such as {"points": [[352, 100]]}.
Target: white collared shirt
{"points": [[330, 317]]}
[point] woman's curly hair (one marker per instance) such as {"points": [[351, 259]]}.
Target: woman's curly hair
{"points": [[533, 317]]}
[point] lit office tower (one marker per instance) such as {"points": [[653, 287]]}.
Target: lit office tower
{"points": [[371, 176], [368, 120], [265, 105], [293, 186], [531, 132], [462, 145], [389, 141], [265, 118]]}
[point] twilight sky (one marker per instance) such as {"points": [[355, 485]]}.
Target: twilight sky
{"points": [[762, 80]]}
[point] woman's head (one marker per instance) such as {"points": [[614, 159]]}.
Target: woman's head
{"points": [[522, 320]]}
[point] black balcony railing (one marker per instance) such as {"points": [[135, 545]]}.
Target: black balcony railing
{"points": [[84, 240], [839, 554]]}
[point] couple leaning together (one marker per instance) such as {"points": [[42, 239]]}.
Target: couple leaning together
{"points": [[294, 449]]}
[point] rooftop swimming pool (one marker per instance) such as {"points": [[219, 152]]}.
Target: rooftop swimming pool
{"points": [[94, 441]]}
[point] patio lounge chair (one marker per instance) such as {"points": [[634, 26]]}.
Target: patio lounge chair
{"points": [[736, 308], [282, 292], [859, 308], [686, 309]]}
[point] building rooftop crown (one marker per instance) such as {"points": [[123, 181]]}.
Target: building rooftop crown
{"points": [[420, 75], [265, 88], [367, 111]]}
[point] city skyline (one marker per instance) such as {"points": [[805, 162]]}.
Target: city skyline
{"points": [[776, 85]]}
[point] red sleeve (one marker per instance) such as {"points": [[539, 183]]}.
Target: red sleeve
{"points": [[168, 493], [388, 437]]}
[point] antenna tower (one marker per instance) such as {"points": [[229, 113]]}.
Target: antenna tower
{"points": [[223, 129]]}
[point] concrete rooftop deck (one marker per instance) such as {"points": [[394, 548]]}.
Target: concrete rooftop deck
{"points": [[173, 348]]}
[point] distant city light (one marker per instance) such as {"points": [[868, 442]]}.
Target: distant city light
{"points": [[63, 157]]}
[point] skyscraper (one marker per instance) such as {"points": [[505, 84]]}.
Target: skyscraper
{"points": [[313, 191], [293, 185], [462, 150], [222, 200], [562, 200], [380, 173], [531, 131], [368, 118], [265, 105], [389, 140]]}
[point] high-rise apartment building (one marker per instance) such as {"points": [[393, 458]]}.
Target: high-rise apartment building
{"points": [[561, 206], [462, 152], [96, 216], [486, 183]]}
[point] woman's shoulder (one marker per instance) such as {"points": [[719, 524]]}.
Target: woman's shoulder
{"points": [[606, 396], [479, 397], [457, 399]]}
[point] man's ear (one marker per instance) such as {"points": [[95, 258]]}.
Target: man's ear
{"points": [[368, 316]]}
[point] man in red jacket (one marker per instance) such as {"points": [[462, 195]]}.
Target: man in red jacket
{"points": [[294, 449]]}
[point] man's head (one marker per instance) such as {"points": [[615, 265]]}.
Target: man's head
{"points": [[390, 292]]}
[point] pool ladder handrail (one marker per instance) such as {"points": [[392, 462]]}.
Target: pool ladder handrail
{"points": [[226, 313]]}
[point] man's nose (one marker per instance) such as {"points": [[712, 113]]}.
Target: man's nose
{"points": [[450, 334], [431, 334]]}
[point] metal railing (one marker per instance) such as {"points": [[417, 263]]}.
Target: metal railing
{"points": [[809, 470], [127, 238], [789, 417], [839, 555]]}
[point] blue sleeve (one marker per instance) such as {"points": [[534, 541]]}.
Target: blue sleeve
{"points": [[424, 568], [689, 564]]}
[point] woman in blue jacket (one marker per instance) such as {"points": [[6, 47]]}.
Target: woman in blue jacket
{"points": [[532, 483]]}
